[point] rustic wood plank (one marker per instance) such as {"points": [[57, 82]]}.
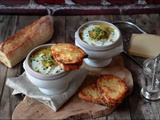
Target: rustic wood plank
{"points": [[121, 112], [149, 22], [5, 104], [7, 28], [9, 102], [4, 111], [23, 21], [75, 22], [2, 77], [59, 30], [133, 99], [14, 100]]}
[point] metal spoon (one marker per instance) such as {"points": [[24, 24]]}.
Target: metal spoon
{"points": [[155, 69]]}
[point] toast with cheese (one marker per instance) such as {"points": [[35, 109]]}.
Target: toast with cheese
{"points": [[91, 93], [68, 56], [112, 88], [16, 47]]}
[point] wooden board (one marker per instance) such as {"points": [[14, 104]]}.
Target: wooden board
{"points": [[76, 108]]}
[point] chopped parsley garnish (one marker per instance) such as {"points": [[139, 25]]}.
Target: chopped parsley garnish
{"points": [[99, 33], [44, 61]]}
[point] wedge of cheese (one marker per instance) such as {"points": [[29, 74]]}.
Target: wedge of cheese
{"points": [[144, 45]]}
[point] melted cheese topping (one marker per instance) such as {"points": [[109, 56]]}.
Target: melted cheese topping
{"points": [[99, 34], [67, 53], [43, 62]]}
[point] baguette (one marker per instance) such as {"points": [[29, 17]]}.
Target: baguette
{"points": [[16, 47], [68, 56]]}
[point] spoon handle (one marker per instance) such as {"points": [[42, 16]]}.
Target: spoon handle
{"points": [[155, 70]]}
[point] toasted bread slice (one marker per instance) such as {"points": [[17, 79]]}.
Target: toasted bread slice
{"points": [[91, 93], [68, 56], [112, 88]]}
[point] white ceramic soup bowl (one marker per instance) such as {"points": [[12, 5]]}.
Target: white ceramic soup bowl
{"points": [[99, 56], [48, 84]]}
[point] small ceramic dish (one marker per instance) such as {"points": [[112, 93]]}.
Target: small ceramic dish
{"points": [[51, 84], [99, 52]]}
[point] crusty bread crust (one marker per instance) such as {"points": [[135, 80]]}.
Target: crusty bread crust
{"points": [[16, 47], [112, 88], [69, 67], [91, 93], [68, 56]]}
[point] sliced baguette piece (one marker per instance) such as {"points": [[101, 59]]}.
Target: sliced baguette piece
{"points": [[16, 47], [112, 88], [68, 56], [91, 94]]}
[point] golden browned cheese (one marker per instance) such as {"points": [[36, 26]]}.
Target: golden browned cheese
{"points": [[68, 56], [91, 93], [112, 88], [16, 47]]}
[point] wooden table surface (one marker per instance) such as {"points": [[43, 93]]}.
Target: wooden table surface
{"points": [[134, 106]]}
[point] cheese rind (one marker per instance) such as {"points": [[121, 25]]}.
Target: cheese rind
{"points": [[144, 45]]}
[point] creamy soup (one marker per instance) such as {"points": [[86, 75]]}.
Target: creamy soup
{"points": [[43, 62], [99, 34]]}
